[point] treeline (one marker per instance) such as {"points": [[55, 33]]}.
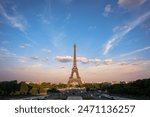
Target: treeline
{"points": [[12, 88], [138, 88], [96, 86]]}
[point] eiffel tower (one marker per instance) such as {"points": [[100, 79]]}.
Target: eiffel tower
{"points": [[73, 81]]}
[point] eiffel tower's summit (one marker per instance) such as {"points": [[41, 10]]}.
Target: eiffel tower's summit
{"points": [[74, 80]]}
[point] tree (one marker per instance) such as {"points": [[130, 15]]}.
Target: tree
{"points": [[34, 91], [42, 90], [8, 87], [23, 88]]}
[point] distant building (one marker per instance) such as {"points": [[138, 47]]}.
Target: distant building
{"points": [[38, 82], [115, 82]]}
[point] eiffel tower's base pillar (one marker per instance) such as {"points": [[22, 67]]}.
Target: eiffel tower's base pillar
{"points": [[74, 82]]}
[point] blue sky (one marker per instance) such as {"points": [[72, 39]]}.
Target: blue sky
{"points": [[37, 37]]}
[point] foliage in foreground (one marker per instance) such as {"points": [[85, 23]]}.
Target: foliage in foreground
{"points": [[12, 88], [138, 88]]}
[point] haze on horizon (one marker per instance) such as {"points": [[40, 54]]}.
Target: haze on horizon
{"points": [[37, 37]]}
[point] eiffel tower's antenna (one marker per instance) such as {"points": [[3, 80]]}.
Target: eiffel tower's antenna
{"points": [[74, 60]]}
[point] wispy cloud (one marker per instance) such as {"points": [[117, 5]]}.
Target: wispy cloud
{"points": [[57, 38], [67, 2], [44, 19], [118, 71], [121, 33], [5, 54], [39, 59], [29, 38], [108, 61], [16, 21], [4, 42], [8, 57], [136, 51], [67, 17], [130, 3], [107, 10], [34, 57], [46, 50], [25, 46], [46, 59]]}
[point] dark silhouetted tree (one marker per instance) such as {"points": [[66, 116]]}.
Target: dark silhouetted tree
{"points": [[23, 88]]}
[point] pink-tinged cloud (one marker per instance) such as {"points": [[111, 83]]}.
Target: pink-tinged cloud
{"points": [[101, 73], [130, 3], [80, 59]]}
